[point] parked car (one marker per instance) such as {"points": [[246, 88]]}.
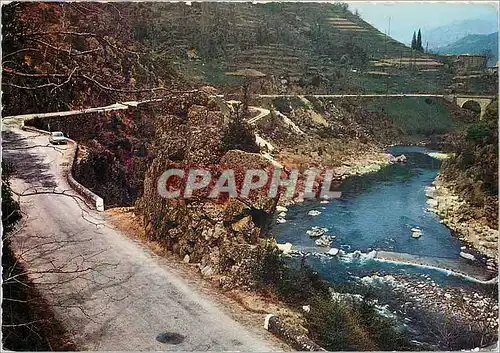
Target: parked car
{"points": [[57, 137]]}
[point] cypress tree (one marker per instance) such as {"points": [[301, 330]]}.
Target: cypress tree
{"points": [[419, 41], [414, 41]]}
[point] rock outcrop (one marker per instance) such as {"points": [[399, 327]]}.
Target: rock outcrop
{"points": [[221, 235]]}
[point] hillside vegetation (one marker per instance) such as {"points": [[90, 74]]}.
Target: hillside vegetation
{"points": [[315, 47], [417, 116], [473, 173]]}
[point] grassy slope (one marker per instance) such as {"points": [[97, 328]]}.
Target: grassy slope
{"points": [[416, 115]]}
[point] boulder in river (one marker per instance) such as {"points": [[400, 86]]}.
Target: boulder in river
{"points": [[416, 232], [280, 220], [467, 256], [314, 213], [285, 248], [315, 231], [281, 209], [416, 235], [400, 159], [324, 241], [333, 252]]}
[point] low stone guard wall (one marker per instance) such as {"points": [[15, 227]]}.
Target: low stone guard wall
{"points": [[290, 335], [82, 190]]}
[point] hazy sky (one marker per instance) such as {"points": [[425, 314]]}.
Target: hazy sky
{"points": [[407, 17]]}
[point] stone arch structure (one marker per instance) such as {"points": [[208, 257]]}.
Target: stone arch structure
{"points": [[482, 101]]}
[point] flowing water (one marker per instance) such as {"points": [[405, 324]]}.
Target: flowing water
{"points": [[372, 224]]}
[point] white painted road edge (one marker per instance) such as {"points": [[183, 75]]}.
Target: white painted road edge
{"points": [[20, 119], [82, 190], [266, 321]]}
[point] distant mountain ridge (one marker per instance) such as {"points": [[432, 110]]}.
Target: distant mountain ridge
{"points": [[445, 35], [474, 44]]}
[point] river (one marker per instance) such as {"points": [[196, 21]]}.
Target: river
{"points": [[372, 224]]}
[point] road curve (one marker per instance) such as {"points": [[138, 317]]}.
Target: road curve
{"points": [[262, 113], [108, 291], [15, 121]]}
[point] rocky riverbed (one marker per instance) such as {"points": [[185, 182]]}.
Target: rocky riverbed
{"points": [[446, 312]]}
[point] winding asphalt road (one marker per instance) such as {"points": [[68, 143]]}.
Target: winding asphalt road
{"points": [[108, 291]]}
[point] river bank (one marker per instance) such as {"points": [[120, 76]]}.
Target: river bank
{"points": [[454, 214]]}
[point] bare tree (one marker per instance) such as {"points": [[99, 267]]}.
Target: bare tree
{"points": [[58, 55]]}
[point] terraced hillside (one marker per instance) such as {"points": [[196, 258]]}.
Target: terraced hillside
{"points": [[300, 46]]}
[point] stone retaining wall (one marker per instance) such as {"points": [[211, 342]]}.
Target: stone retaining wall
{"points": [[290, 335]]}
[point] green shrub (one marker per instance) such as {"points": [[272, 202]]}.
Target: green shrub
{"points": [[478, 131], [282, 105], [334, 325], [298, 285], [338, 325], [268, 268], [239, 136], [330, 324]]}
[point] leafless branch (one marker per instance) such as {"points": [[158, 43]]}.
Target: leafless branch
{"points": [[10, 214], [24, 138], [100, 85], [35, 34], [19, 51], [52, 192], [67, 51], [41, 75], [92, 80], [23, 324], [14, 300], [47, 85], [18, 226], [124, 49], [116, 9]]}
